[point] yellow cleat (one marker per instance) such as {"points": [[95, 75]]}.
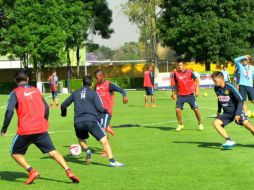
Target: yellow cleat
{"points": [[180, 127]]}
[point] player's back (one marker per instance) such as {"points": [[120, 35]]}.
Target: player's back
{"points": [[30, 110], [84, 105]]}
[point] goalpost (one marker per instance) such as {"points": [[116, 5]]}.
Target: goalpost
{"points": [[44, 87]]}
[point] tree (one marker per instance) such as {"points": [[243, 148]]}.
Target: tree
{"points": [[143, 14], [33, 32], [207, 31]]}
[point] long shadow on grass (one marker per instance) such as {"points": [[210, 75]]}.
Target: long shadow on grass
{"points": [[160, 128], [14, 177], [213, 145], [126, 126]]}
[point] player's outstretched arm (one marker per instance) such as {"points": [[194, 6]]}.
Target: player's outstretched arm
{"points": [[12, 102], [65, 104], [113, 87]]}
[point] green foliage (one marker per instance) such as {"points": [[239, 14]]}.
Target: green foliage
{"points": [[208, 31], [126, 83], [129, 51]]}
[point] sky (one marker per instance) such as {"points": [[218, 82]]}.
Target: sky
{"points": [[125, 31]]}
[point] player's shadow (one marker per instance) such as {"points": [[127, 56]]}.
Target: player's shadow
{"points": [[160, 128], [126, 126], [15, 177], [213, 145]]}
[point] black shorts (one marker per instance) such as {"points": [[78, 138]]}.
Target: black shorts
{"points": [[83, 129], [104, 120], [21, 143], [190, 99], [227, 118], [149, 91], [54, 94], [246, 91]]}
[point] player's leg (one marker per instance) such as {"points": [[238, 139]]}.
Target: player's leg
{"points": [[219, 123], [248, 126], [105, 123], [82, 134], [44, 143], [151, 93], [179, 107], [18, 150], [194, 106], [146, 96], [52, 100], [250, 94], [243, 92], [97, 132]]}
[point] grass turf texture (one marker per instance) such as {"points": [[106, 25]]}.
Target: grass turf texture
{"points": [[156, 156]]}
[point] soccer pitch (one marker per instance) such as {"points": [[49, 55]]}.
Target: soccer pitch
{"points": [[156, 156]]}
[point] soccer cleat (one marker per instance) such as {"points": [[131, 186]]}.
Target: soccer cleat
{"points": [[104, 154], [110, 130], [201, 127], [33, 174], [180, 127], [228, 144], [71, 175], [89, 158], [116, 164]]}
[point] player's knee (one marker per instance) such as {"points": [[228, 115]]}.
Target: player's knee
{"points": [[53, 153], [104, 140], [216, 123], [178, 110]]}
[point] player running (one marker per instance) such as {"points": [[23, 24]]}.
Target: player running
{"points": [[33, 112], [230, 100], [149, 85], [246, 72], [53, 80], [182, 84], [87, 105], [106, 90]]}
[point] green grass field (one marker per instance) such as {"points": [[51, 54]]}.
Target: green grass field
{"points": [[156, 156]]}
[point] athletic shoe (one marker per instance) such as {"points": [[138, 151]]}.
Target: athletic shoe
{"points": [[201, 127], [89, 158], [71, 175], [228, 144], [180, 127], [33, 174], [104, 154], [116, 164], [154, 105], [110, 130]]}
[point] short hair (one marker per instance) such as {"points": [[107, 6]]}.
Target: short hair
{"points": [[21, 75], [180, 60], [217, 74], [87, 80], [98, 71]]}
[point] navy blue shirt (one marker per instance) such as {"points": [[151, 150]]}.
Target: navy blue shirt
{"points": [[87, 105], [229, 99]]}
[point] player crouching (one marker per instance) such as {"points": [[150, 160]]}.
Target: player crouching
{"points": [[230, 100]]}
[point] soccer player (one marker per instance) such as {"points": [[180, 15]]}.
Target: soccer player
{"points": [[33, 112], [149, 85], [53, 81], [246, 72], [183, 85], [87, 105], [106, 90], [225, 74], [230, 100]]}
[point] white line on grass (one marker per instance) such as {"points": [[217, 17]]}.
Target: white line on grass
{"points": [[208, 108]]}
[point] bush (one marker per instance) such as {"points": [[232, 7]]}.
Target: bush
{"points": [[7, 87], [125, 83]]}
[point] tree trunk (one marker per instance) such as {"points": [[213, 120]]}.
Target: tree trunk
{"points": [[207, 66], [68, 69], [78, 61], [154, 36]]}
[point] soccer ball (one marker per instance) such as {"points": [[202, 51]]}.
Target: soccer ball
{"points": [[205, 94], [75, 149]]}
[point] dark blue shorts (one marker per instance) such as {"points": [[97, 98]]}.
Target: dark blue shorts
{"points": [[246, 91], [104, 120], [149, 91], [227, 118], [54, 94], [83, 129], [190, 99], [21, 143]]}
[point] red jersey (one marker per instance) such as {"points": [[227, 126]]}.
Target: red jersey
{"points": [[184, 82], [30, 111], [106, 96], [147, 79], [53, 83]]}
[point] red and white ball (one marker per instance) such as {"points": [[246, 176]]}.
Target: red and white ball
{"points": [[75, 149]]}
